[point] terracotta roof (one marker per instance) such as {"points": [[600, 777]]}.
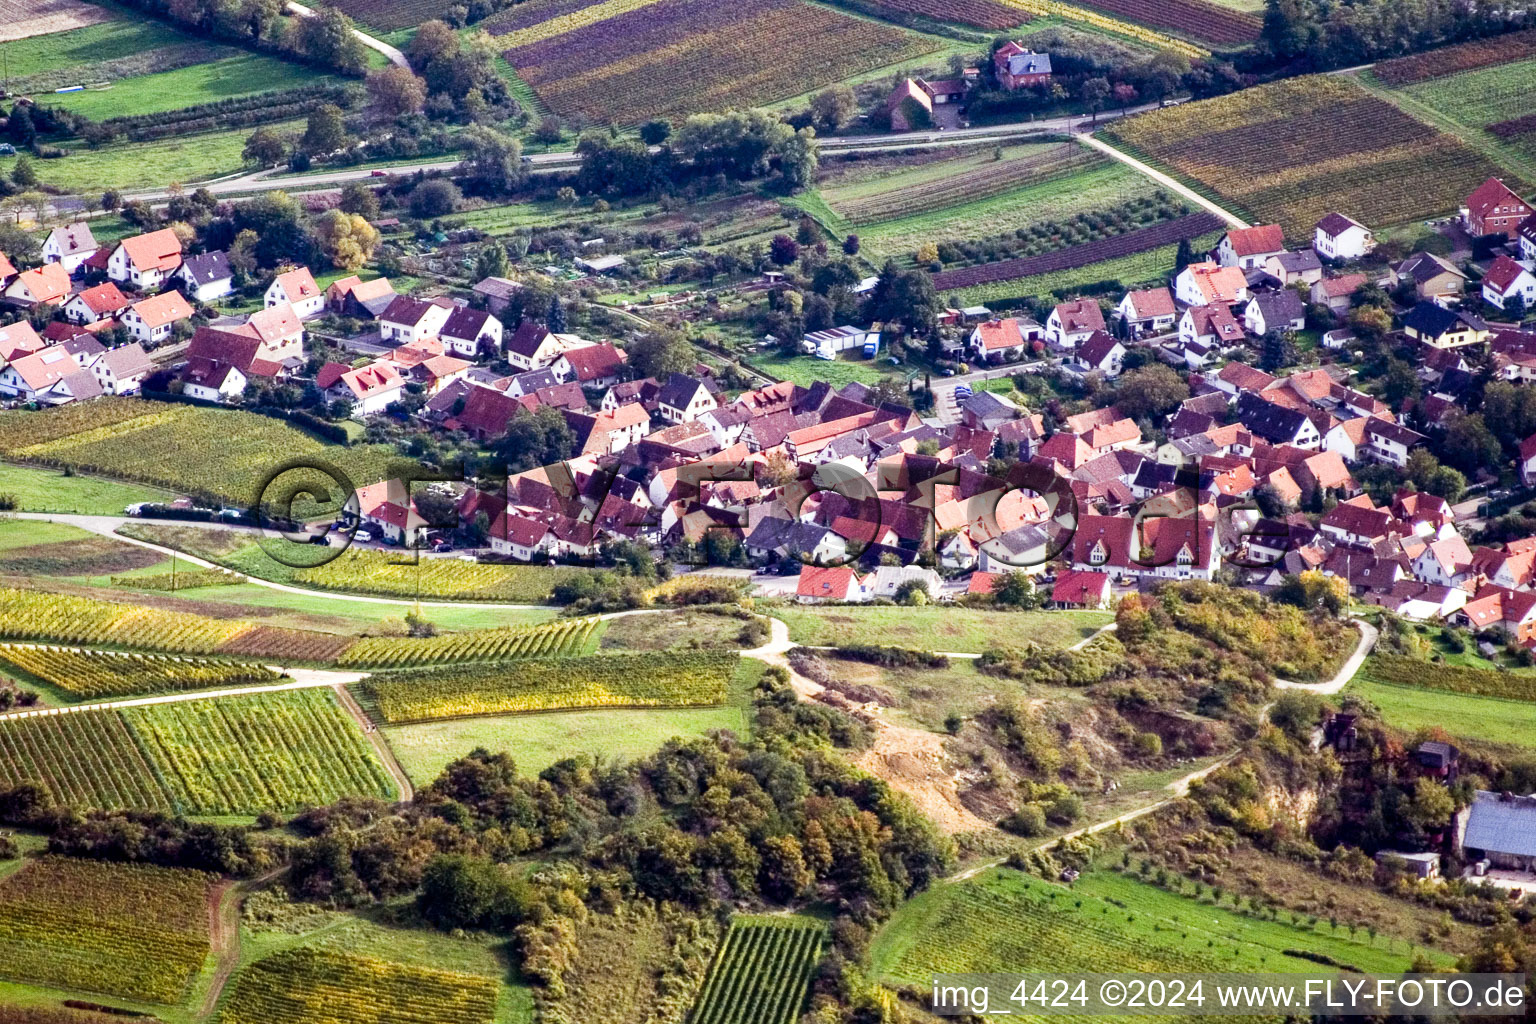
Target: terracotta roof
{"points": [[832, 584], [1502, 274], [1257, 241], [595, 361], [1245, 377], [274, 324], [1338, 287], [1217, 283], [104, 299], [18, 339], [297, 284], [1080, 586], [41, 370], [7, 268], [1118, 432], [162, 309], [1080, 315], [47, 283], [1151, 302], [373, 379], [156, 250], [996, 335]]}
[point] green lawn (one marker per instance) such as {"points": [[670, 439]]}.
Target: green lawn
{"points": [[1006, 921], [193, 158], [807, 370], [538, 741], [93, 44], [185, 87], [49, 490], [934, 627], [1474, 719]]}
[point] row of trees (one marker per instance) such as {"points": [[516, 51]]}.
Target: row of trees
{"points": [[326, 40], [1320, 34]]}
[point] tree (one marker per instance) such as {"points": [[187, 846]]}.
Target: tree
{"points": [[433, 41], [23, 174], [832, 109], [1150, 391], [783, 250], [111, 200], [927, 253], [1399, 384], [660, 353], [1430, 807], [493, 162], [325, 132], [1125, 94], [566, 195], [535, 439], [329, 38], [347, 239], [459, 891], [904, 297], [492, 261], [1296, 713], [1184, 257], [851, 245], [654, 133], [1469, 445], [358, 198], [1278, 351], [435, 197], [397, 91], [1095, 92], [555, 318], [1016, 590], [1314, 591], [549, 132]]}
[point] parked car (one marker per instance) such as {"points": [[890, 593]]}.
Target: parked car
{"points": [[442, 547], [379, 174]]}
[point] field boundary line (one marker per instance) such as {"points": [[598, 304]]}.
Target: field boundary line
{"points": [[1167, 181]]}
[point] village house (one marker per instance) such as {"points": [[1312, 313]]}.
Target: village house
{"points": [[916, 104], [1000, 341], [1017, 67], [370, 389], [1102, 354], [1509, 285], [69, 246], [532, 347], [1291, 267], [408, 320], [387, 506], [683, 399], [1201, 284], [471, 333], [1494, 607], [221, 362], [101, 302], [18, 339], [1438, 327], [52, 376], [521, 537], [1337, 293], [1494, 209], [1337, 237], [1213, 327], [206, 277], [1499, 828], [1274, 311], [121, 370], [1072, 323], [1146, 313], [1434, 279], [151, 320], [839, 583], [498, 293], [297, 288], [361, 300], [1083, 588], [591, 366], [1275, 423], [145, 262], [1250, 248], [44, 285]]}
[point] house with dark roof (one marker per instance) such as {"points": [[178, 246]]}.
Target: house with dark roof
{"points": [[121, 370], [1436, 326], [469, 332], [1433, 277], [361, 300], [408, 320], [531, 346], [1017, 67], [1072, 322], [1290, 267], [683, 399], [1337, 237], [206, 277], [1100, 353], [1275, 423], [1274, 311]]}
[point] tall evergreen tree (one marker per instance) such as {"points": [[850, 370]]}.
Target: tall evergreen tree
{"points": [[556, 319]]}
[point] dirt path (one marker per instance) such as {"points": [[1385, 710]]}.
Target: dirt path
{"points": [[371, 731], [1346, 672], [395, 56], [1172, 184], [224, 930]]}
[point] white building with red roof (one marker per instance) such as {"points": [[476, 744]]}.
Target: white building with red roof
{"points": [[298, 289], [840, 583], [1509, 281], [151, 320], [1147, 312], [145, 262], [1081, 588], [47, 284], [1201, 284], [1248, 248], [369, 388], [1072, 323], [998, 341], [387, 506], [100, 302]]}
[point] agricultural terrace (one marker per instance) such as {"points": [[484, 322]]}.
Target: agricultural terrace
{"points": [[21, 19], [222, 453], [1006, 921], [30, 548], [40, 616], [964, 630], [92, 675], [1291, 151], [540, 740], [761, 973], [1091, 190], [362, 571], [308, 986], [617, 60], [132, 931], [678, 679], [1496, 100], [235, 755]]}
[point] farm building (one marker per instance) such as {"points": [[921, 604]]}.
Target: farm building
{"points": [[1017, 67], [601, 264], [1501, 828], [918, 103], [827, 344]]}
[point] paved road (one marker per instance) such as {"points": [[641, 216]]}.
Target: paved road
{"points": [[1164, 180], [267, 180], [1368, 636], [395, 56]]}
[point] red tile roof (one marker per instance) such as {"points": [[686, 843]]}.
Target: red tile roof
{"points": [[1257, 241], [156, 250], [831, 584]]}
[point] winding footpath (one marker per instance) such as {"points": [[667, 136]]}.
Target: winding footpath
{"points": [[1368, 637], [393, 55]]}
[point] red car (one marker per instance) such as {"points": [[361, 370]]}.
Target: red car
{"points": [[379, 174]]}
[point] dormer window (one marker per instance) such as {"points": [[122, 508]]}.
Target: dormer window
{"points": [[1098, 555]]}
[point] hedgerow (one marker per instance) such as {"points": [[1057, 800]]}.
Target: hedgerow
{"points": [[1483, 682]]}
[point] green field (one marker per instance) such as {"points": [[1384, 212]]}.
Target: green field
{"points": [[216, 80], [1154, 266], [1006, 921], [1474, 99], [807, 370], [93, 45], [49, 490], [1474, 719], [934, 628], [1055, 199], [538, 741], [761, 972]]}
